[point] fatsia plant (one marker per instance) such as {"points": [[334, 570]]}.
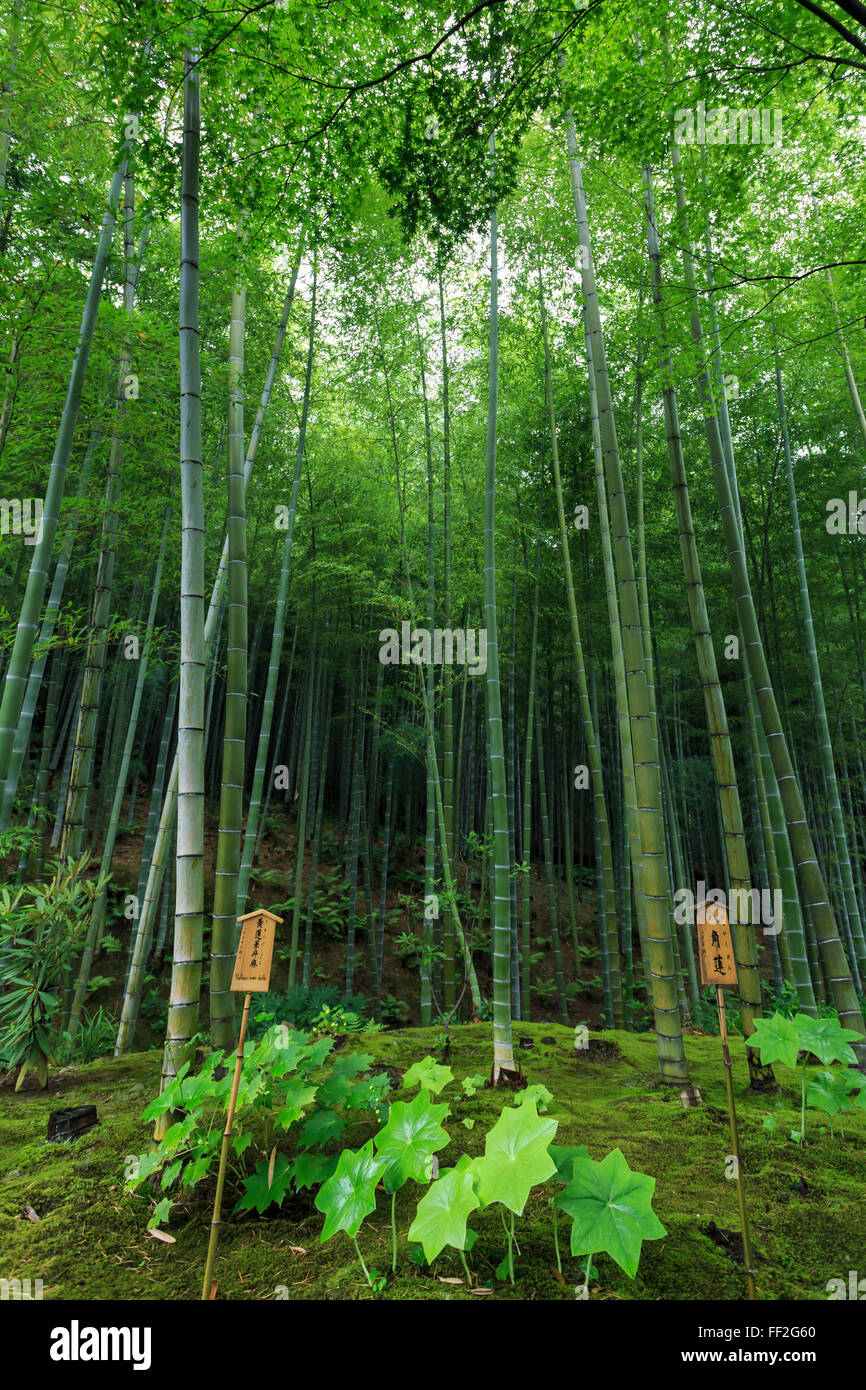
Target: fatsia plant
{"points": [[564, 1160], [515, 1159], [407, 1143], [350, 1194], [833, 1092], [611, 1210], [444, 1210], [784, 1039]]}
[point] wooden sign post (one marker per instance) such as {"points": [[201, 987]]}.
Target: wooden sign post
{"points": [[252, 974], [719, 967]]}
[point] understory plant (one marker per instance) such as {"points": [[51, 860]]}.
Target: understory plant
{"points": [[42, 927], [786, 1040], [610, 1205], [294, 1101]]}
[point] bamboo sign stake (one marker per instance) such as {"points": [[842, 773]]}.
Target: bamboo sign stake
{"points": [[719, 968], [252, 974]]}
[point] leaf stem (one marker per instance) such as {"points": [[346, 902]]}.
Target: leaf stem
{"points": [[803, 1106], [556, 1236], [361, 1259]]}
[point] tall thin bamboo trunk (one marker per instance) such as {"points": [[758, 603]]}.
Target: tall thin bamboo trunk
{"points": [[25, 635], [183, 1009], [278, 634], [608, 924], [655, 882], [503, 1053], [745, 941], [811, 878], [97, 916], [224, 935], [824, 741]]}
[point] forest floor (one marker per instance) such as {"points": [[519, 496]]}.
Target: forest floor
{"points": [[65, 1218]]}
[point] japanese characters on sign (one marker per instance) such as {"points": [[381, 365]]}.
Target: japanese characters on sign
{"points": [[255, 950], [715, 948]]}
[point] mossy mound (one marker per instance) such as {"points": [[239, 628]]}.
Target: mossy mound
{"points": [[805, 1203]]}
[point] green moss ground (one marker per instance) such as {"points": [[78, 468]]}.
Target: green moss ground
{"points": [[806, 1205]]}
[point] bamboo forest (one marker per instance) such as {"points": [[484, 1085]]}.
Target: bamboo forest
{"points": [[432, 666]]}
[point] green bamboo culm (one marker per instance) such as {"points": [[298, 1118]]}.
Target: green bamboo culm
{"points": [[857, 946], [301, 825], [18, 668], [811, 878], [744, 934], [81, 775], [97, 917], [154, 867], [503, 1053], [224, 936], [279, 628], [185, 993], [655, 882], [607, 925]]}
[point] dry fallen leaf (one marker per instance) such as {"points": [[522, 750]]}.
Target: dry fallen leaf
{"points": [[163, 1235], [297, 1249], [443, 1280], [557, 1276], [271, 1165], [481, 1291]]}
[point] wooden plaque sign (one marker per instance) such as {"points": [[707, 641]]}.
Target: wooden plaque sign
{"points": [[715, 950], [253, 960]]}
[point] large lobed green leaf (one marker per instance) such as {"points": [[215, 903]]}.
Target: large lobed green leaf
{"points": [[350, 1194], [515, 1157], [611, 1208], [442, 1212], [409, 1140]]}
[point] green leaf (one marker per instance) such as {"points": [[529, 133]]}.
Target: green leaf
{"points": [[515, 1157], [828, 1092], [471, 1084], [309, 1170], [297, 1095], [539, 1094], [334, 1091], [350, 1193], [409, 1140], [160, 1213], [318, 1052], [196, 1170], [321, 1127], [429, 1074], [443, 1210], [148, 1163], [776, 1039], [170, 1173], [351, 1064], [367, 1094], [826, 1038], [259, 1193], [564, 1160], [611, 1209]]}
